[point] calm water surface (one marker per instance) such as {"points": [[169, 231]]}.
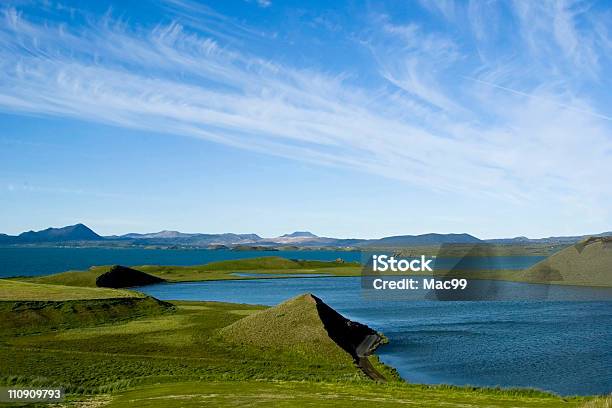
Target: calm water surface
{"points": [[559, 346]]}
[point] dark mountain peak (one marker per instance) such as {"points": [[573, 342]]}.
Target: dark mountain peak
{"points": [[300, 234], [79, 228], [77, 232]]}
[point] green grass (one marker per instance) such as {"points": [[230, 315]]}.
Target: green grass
{"points": [[222, 270], [269, 265], [180, 357], [72, 278], [170, 347], [326, 394], [602, 402], [297, 329], [32, 308], [11, 290]]}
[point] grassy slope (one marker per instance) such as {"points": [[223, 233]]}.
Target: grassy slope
{"points": [[212, 271], [14, 290], [271, 265], [32, 308], [72, 278], [179, 346], [302, 331], [300, 394], [23, 317], [588, 263]]}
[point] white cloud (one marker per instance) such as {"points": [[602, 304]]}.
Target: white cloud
{"points": [[428, 125], [551, 31], [446, 8]]}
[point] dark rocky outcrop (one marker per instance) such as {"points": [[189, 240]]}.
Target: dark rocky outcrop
{"points": [[123, 277]]}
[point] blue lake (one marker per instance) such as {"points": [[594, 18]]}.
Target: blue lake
{"points": [[559, 346], [279, 275]]}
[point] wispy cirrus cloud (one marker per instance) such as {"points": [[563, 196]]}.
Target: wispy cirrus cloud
{"points": [[507, 133]]}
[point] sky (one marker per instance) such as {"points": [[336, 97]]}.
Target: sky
{"points": [[346, 118]]}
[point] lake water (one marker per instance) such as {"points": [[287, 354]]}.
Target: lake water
{"points": [[559, 346], [279, 275], [44, 261], [37, 261]]}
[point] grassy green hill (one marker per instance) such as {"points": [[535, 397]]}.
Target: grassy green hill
{"points": [[294, 326], [115, 276], [586, 263], [305, 325], [21, 317], [11, 290], [269, 265], [30, 307], [302, 325]]}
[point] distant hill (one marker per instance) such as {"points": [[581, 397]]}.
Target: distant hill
{"points": [[161, 234], [587, 263], [299, 237], [299, 234], [425, 239], [549, 240], [78, 232], [195, 239]]}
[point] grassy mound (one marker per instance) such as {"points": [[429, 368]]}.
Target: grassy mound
{"points": [[121, 276], [40, 316], [15, 290], [268, 262], [586, 263], [115, 276], [306, 325]]}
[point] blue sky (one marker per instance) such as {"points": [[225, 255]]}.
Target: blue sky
{"points": [[348, 119]]}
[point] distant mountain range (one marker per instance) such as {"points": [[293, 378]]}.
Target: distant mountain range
{"points": [[80, 233]]}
